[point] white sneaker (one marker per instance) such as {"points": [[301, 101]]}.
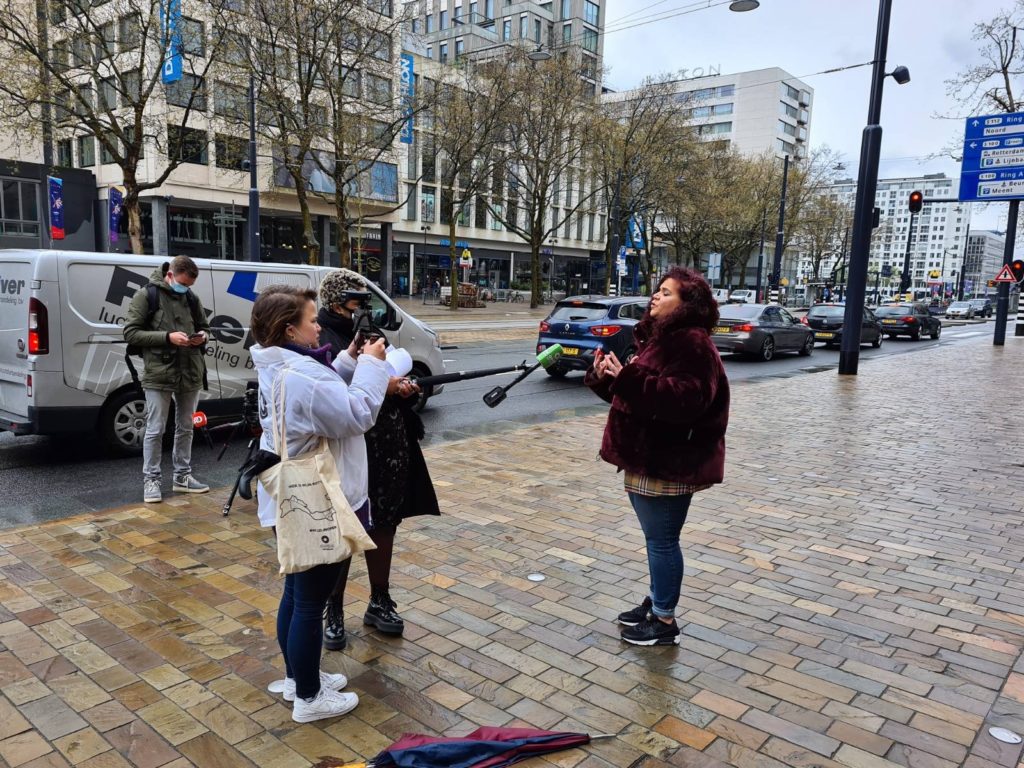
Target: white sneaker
{"points": [[151, 493], [332, 682], [327, 703]]}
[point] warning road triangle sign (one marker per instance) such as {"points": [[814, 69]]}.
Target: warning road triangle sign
{"points": [[1005, 275]]}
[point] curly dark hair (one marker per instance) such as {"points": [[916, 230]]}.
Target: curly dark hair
{"points": [[698, 308]]}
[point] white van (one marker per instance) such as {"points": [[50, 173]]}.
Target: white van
{"points": [[62, 366]]}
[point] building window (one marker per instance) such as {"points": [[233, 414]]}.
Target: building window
{"points": [[430, 51], [443, 20], [378, 89], [86, 151], [489, 9], [230, 101], [566, 9], [193, 41], [460, 47], [106, 41], [472, 13], [190, 89], [442, 56], [410, 202], [588, 67], [231, 151], [725, 91], [591, 12], [722, 109], [380, 46], [536, 31], [106, 156], [383, 7], [524, 27], [788, 110], [19, 208], [790, 92], [415, 26], [506, 29], [589, 39], [107, 93], [714, 129], [457, 15], [189, 145], [786, 128], [65, 155], [430, 23], [567, 32], [427, 205]]}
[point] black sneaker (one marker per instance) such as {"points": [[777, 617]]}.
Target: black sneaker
{"points": [[381, 614], [652, 631], [334, 626], [636, 615]]}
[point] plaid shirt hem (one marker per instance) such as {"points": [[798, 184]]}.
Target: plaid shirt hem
{"points": [[653, 486]]}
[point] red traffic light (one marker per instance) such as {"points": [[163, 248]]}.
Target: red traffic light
{"points": [[916, 201], [1017, 268]]}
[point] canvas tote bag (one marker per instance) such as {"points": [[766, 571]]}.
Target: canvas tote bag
{"points": [[315, 523]]}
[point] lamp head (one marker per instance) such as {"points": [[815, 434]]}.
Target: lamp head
{"points": [[539, 54], [901, 75], [742, 6]]}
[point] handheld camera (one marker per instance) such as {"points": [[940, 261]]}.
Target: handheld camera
{"points": [[362, 317]]}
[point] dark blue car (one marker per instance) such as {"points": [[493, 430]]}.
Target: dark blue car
{"points": [[585, 324]]}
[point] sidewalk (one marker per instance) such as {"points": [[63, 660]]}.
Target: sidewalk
{"points": [[498, 321], [853, 598]]}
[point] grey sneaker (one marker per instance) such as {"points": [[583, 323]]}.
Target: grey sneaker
{"points": [[188, 484], [151, 493]]}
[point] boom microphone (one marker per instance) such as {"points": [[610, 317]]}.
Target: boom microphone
{"points": [[546, 358]]}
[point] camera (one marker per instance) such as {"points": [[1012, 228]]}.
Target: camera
{"points": [[362, 318]]}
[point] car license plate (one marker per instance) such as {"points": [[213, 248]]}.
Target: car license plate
{"points": [[890, 322], [722, 329], [570, 351], [823, 335]]}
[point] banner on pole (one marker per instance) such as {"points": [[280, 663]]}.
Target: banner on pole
{"points": [[115, 201], [56, 192]]}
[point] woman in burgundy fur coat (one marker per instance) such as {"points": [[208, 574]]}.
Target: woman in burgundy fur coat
{"points": [[666, 430]]}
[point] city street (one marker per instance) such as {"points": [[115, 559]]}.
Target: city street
{"points": [[45, 478]]}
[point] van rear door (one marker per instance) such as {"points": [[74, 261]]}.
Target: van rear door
{"points": [[16, 273]]}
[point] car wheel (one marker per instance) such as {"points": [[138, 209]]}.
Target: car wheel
{"points": [[937, 332], [808, 347], [767, 349], [556, 373], [123, 422], [877, 342], [915, 336]]}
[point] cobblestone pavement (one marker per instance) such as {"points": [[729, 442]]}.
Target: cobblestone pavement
{"points": [[852, 598]]}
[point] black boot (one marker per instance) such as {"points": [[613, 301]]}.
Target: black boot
{"points": [[381, 614], [334, 626]]}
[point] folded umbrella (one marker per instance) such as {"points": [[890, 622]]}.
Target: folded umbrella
{"points": [[485, 747]]}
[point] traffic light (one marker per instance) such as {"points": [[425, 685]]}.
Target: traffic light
{"points": [[916, 201], [1017, 268]]}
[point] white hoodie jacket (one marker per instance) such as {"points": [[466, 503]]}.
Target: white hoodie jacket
{"points": [[320, 403]]}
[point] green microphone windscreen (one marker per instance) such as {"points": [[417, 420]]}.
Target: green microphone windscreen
{"points": [[548, 357]]}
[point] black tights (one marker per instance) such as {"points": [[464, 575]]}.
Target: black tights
{"points": [[378, 564]]}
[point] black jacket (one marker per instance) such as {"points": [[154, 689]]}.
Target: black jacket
{"points": [[399, 482]]}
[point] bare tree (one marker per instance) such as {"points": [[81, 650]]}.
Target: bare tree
{"points": [[548, 130], [96, 69], [990, 85]]}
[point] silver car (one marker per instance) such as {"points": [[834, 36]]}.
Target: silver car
{"points": [[960, 309], [761, 330]]}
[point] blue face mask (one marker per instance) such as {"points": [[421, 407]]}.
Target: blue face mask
{"points": [[178, 287]]}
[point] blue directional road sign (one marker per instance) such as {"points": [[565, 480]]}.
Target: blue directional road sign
{"points": [[993, 158]]}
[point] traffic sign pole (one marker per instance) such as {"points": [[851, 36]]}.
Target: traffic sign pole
{"points": [[1003, 296]]}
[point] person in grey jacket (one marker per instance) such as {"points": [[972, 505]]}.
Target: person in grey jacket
{"points": [[172, 340], [323, 398]]}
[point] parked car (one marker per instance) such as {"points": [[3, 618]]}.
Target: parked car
{"points": [[721, 295], [911, 320], [761, 330], [742, 296], [826, 320], [982, 307], [585, 324], [960, 309]]}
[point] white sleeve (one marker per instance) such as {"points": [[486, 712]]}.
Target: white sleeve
{"points": [[345, 366], [339, 410]]}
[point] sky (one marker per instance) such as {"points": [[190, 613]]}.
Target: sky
{"points": [[930, 37]]}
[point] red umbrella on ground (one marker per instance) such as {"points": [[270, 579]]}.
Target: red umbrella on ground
{"points": [[485, 747]]}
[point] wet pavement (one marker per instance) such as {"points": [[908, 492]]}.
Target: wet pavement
{"points": [[852, 598]]}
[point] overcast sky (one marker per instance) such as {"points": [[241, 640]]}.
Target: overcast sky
{"points": [[931, 37]]}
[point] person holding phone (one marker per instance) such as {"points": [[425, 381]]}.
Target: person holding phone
{"points": [[666, 430], [171, 338], [400, 484]]}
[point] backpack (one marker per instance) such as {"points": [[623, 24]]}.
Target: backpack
{"points": [[153, 303]]}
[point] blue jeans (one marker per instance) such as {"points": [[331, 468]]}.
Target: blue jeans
{"points": [[300, 624], [662, 518]]}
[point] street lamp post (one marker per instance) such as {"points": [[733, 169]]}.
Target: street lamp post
{"points": [[255, 251], [773, 282], [760, 253], [423, 280], [867, 183], [905, 281]]}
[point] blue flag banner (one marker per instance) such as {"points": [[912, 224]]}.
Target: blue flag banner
{"points": [[56, 189], [170, 28], [115, 202], [407, 93]]}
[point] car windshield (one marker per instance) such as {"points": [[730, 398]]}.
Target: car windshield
{"points": [[573, 311], [894, 311], [741, 312], [959, 305], [830, 312]]}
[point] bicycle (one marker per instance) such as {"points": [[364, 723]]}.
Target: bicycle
{"points": [[515, 297]]}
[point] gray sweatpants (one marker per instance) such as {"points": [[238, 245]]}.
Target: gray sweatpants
{"points": [[158, 404]]}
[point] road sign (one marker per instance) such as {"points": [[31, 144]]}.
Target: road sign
{"points": [[714, 267], [993, 158], [1005, 275]]}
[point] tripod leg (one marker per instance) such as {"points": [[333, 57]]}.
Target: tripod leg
{"points": [[226, 509], [235, 430]]}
